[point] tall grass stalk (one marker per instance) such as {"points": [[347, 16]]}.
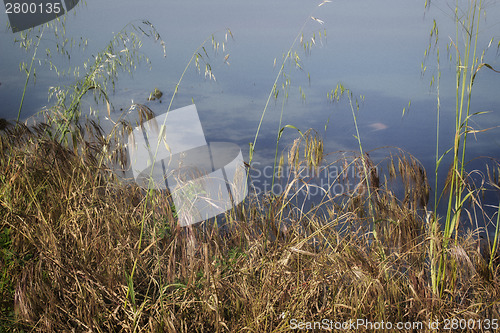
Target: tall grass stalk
{"points": [[26, 41], [464, 79], [335, 95], [274, 90], [432, 220], [28, 74], [467, 64], [280, 131], [495, 240]]}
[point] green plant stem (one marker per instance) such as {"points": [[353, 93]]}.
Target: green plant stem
{"points": [[434, 227], [278, 137], [365, 170], [465, 74], [273, 90], [28, 74], [495, 241]]}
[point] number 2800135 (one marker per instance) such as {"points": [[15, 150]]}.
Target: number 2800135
{"points": [[33, 8]]}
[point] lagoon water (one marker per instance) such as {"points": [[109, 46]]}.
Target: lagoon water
{"points": [[375, 49]]}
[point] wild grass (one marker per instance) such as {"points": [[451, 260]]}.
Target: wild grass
{"points": [[458, 193], [71, 232], [84, 250]]}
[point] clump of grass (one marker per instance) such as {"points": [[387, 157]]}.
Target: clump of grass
{"points": [[73, 232], [458, 192]]}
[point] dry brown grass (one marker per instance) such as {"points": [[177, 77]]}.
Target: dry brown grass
{"points": [[72, 233]]}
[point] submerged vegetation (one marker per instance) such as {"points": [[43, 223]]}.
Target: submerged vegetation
{"points": [[84, 250]]}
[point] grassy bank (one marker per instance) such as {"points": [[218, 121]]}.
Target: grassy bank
{"points": [[71, 235], [83, 250]]}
